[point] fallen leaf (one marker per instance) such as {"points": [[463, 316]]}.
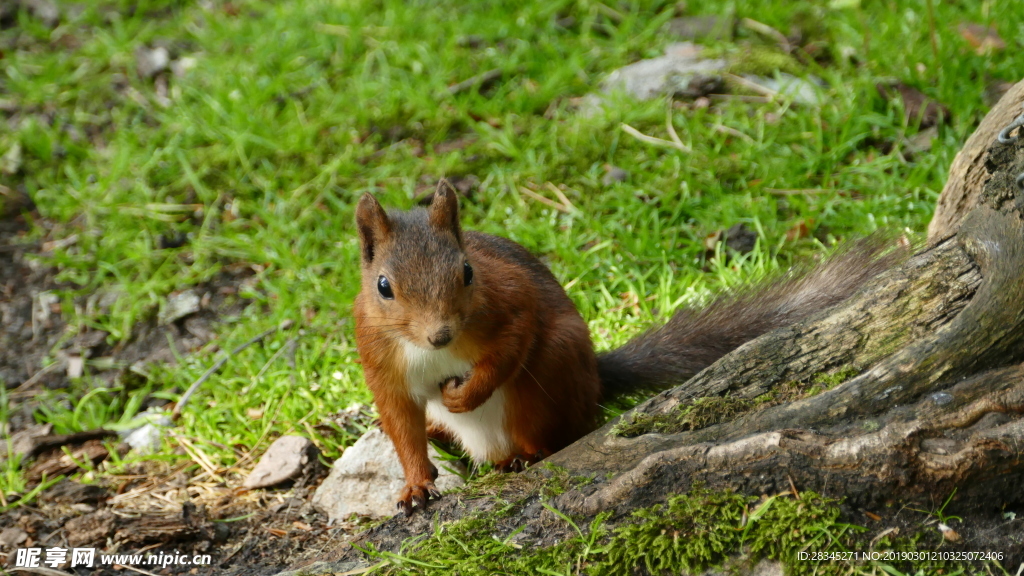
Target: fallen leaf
{"points": [[916, 106], [801, 229], [984, 39]]}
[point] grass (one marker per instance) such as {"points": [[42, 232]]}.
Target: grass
{"points": [[292, 110]]}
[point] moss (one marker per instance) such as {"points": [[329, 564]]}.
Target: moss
{"points": [[763, 61], [701, 529], [687, 534], [832, 379], [700, 413], [711, 410], [560, 481]]}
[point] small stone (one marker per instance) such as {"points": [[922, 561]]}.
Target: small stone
{"points": [[151, 61], [24, 441], [284, 460], [179, 305], [799, 90], [367, 478], [145, 439], [653, 77], [183, 65], [11, 538]]}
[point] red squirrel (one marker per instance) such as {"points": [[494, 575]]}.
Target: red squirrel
{"points": [[466, 336]]}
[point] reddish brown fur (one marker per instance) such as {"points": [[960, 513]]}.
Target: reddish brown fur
{"points": [[515, 325]]}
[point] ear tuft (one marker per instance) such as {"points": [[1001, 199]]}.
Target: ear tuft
{"points": [[373, 224], [444, 209]]}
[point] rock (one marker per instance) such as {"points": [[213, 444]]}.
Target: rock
{"points": [[25, 441], [790, 87], [653, 77], [367, 479], [151, 61], [285, 459], [92, 528], [145, 439], [11, 538], [148, 433], [178, 305]]}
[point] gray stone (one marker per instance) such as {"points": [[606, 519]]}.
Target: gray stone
{"points": [[284, 460], [24, 441], [654, 77], [367, 478], [179, 305], [790, 87], [11, 538], [150, 62], [146, 439]]}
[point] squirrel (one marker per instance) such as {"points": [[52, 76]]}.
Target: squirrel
{"points": [[468, 337]]}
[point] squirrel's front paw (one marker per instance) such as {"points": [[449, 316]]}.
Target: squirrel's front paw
{"points": [[415, 495], [456, 397]]}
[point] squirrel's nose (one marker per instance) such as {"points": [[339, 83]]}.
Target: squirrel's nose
{"points": [[441, 338]]}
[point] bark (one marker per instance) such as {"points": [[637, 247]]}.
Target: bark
{"points": [[968, 174], [933, 402]]}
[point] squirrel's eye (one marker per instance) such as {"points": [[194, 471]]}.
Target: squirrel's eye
{"points": [[384, 287], [467, 277]]}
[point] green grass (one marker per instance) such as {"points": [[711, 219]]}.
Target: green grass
{"points": [[270, 138]]}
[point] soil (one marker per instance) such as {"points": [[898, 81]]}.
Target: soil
{"points": [[154, 509]]}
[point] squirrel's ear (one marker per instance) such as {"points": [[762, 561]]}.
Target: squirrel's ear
{"points": [[373, 225], [444, 209]]}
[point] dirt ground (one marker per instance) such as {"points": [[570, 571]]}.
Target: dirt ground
{"points": [[154, 508]]}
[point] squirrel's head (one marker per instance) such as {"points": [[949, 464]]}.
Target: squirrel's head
{"points": [[417, 281]]}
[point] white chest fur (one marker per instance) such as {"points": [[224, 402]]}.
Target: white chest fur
{"points": [[481, 432]]}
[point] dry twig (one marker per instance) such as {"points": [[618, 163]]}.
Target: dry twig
{"points": [[220, 363]]}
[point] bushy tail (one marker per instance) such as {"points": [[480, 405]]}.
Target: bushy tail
{"points": [[694, 338]]}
